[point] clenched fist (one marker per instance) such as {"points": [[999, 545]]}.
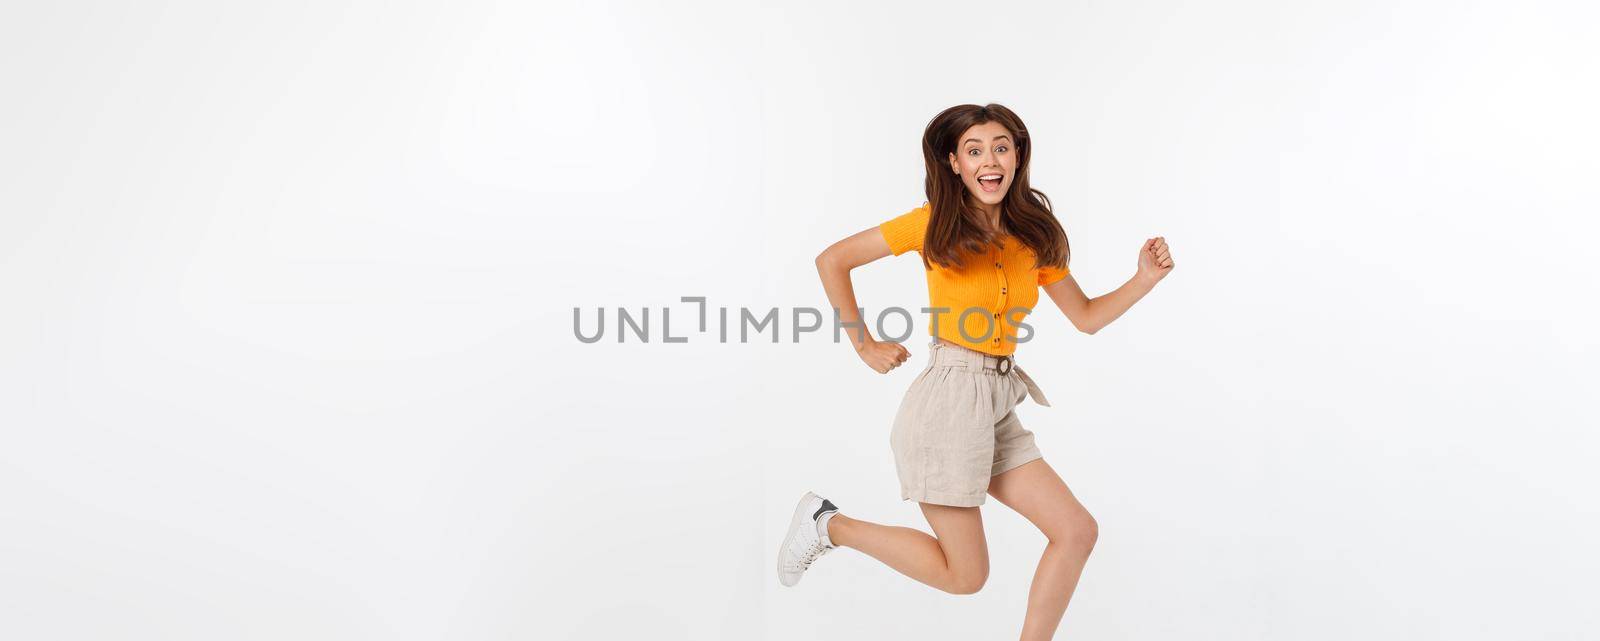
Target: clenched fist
{"points": [[883, 357], [1155, 260]]}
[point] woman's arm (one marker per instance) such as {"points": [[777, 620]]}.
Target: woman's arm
{"points": [[833, 266], [1089, 316]]}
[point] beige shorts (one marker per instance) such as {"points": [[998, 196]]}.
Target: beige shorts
{"points": [[956, 427]]}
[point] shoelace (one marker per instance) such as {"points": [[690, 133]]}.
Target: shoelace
{"points": [[816, 551], [811, 555]]}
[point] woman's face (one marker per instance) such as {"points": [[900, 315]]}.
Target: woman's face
{"points": [[986, 159]]}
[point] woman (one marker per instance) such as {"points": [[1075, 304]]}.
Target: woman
{"points": [[988, 242]]}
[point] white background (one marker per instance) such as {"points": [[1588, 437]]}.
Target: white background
{"points": [[288, 290]]}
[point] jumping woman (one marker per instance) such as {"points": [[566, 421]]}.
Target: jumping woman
{"points": [[989, 242]]}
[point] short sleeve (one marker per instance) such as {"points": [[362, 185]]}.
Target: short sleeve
{"points": [[905, 232], [1050, 274]]}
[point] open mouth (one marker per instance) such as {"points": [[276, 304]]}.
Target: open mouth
{"points": [[990, 182]]}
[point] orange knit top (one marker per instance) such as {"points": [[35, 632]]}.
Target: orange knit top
{"points": [[980, 305]]}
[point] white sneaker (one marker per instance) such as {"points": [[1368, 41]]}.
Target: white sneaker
{"points": [[807, 538]]}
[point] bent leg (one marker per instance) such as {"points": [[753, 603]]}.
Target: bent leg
{"points": [[1036, 492], [957, 561]]}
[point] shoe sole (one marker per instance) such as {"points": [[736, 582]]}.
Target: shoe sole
{"points": [[800, 516]]}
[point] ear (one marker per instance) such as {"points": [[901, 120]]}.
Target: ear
{"points": [[954, 166]]}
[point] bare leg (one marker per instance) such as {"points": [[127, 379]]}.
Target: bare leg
{"points": [[1036, 492], [956, 562]]}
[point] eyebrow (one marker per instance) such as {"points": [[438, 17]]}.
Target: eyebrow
{"points": [[980, 141]]}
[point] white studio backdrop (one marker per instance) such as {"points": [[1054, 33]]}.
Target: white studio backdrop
{"points": [[287, 347]]}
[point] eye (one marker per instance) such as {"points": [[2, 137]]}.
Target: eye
{"points": [[1001, 148], [972, 151]]}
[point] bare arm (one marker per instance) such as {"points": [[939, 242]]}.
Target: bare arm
{"points": [[1090, 315], [833, 266]]}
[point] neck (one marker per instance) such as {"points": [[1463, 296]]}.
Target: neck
{"points": [[991, 214]]}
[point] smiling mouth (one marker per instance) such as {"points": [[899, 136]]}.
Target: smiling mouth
{"points": [[990, 182]]}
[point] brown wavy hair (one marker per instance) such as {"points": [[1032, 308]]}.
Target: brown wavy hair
{"points": [[955, 224]]}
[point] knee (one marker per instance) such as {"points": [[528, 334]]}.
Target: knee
{"points": [[1079, 533], [968, 583], [1091, 531]]}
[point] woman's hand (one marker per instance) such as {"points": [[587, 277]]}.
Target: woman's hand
{"points": [[882, 357], [1155, 261]]}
